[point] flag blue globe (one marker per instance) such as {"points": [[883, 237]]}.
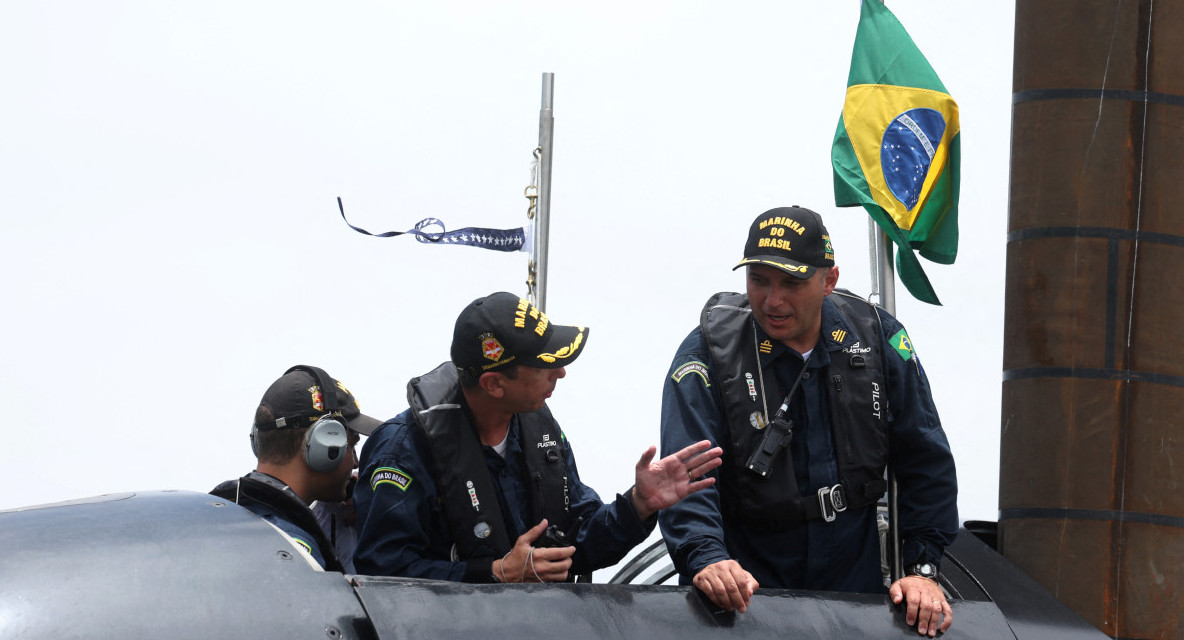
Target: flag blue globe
{"points": [[906, 152]]}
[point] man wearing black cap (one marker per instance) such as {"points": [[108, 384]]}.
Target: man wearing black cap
{"points": [[811, 391], [476, 482], [303, 435]]}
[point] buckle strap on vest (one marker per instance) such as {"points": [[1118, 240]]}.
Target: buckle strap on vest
{"points": [[831, 502]]}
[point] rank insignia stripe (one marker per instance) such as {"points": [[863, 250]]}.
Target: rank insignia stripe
{"points": [[838, 335], [765, 347]]}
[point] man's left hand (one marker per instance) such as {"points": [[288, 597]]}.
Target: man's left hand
{"points": [[663, 483], [926, 604]]}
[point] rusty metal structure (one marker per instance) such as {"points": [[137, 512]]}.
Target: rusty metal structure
{"points": [[1092, 453]]}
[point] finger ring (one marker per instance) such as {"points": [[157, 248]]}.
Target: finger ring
{"points": [[937, 602]]}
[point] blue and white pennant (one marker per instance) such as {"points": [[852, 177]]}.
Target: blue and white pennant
{"points": [[432, 231]]}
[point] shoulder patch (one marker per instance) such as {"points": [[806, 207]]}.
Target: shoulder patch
{"points": [[389, 475], [695, 367], [303, 545], [838, 335], [900, 341]]}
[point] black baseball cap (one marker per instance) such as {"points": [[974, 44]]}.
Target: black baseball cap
{"points": [[296, 400], [792, 239], [501, 330]]}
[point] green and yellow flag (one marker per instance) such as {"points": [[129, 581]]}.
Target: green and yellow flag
{"points": [[896, 150]]}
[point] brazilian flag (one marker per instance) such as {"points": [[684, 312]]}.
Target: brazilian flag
{"points": [[896, 150]]}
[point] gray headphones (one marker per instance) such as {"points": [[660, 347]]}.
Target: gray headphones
{"points": [[327, 442]]}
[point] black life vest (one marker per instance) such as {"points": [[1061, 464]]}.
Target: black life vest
{"points": [[857, 401], [470, 499], [266, 490]]}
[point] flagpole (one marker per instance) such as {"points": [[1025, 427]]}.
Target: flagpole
{"points": [[542, 218], [885, 274]]}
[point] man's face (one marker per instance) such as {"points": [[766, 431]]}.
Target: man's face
{"points": [[789, 309], [530, 390]]}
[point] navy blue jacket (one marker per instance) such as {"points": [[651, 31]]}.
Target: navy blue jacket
{"points": [[843, 555], [403, 529], [270, 513]]}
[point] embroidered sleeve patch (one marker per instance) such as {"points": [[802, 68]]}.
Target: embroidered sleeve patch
{"points": [[303, 545], [391, 476], [695, 367], [903, 345]]}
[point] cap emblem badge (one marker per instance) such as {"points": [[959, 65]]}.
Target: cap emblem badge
{"points": [[490, 347]]}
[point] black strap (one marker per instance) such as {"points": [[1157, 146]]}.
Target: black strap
{"points": [[288, 506], [779, 432], [328, 388]]}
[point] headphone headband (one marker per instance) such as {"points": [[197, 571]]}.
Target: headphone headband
{"points": [[323, 381], [328, 399]]}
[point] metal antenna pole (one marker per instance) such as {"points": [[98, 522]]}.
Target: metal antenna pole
{"points": [[884, 269], [886, 272], [542, 218]]}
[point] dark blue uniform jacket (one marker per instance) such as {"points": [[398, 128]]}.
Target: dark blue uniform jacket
{"points": [[299, 535], [843, 555], [402, 526]]}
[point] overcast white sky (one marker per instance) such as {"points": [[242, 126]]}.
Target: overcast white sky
{"points": [[172, 243]]}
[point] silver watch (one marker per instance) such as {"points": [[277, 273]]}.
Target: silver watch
{"points": [[924, 569]]}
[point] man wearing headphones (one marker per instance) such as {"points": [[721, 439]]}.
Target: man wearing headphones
{"points": [[303, 435], [476, 482]]}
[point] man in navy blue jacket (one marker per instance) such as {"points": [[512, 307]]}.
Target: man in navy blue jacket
{"points": [[476, 482], [303, 435], [811, 391]]}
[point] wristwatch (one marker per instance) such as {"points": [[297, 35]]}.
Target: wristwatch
{"points": [[924, 569]]}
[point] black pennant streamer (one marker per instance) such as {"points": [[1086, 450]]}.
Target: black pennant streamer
{"points": [[431, 230]]}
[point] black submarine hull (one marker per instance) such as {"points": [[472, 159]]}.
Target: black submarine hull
{"points": [[182, 564]]}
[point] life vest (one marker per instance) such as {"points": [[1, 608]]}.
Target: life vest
{"points": [[857, 400], [266, 490], [470, 498]]}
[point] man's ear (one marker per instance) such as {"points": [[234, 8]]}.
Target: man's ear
{"points": [[830, 280], [491, 383]]}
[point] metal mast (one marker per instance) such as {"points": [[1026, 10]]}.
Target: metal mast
{"points": [[542, 219], [884, 290]]}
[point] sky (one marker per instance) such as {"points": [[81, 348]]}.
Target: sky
{"points": [[172, 242]]}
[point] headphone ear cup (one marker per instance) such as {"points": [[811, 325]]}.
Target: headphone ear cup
{"points": [[254, 443], [325, 445]]}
